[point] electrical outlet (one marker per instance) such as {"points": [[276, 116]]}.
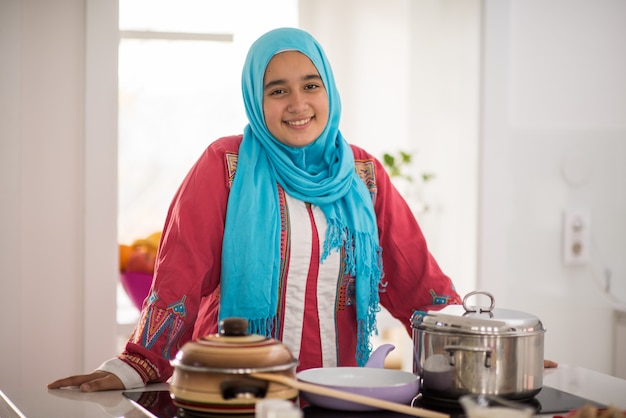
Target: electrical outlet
{"points": [[576, 236]]}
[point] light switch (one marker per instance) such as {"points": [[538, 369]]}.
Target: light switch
{"points": [[576, 236]]}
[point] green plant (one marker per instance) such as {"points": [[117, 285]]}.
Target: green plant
{"points": [[399, 165]]}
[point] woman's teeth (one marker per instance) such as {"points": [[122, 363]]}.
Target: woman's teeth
{"points": [[299, 122]]}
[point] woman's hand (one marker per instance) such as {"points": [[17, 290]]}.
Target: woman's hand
{"points": [[549, 364], [92, 382]]}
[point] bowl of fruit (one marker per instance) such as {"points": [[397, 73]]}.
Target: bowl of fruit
{"points": [[137, 267]]}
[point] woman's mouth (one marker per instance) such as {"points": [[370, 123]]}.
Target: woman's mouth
{"points": [[299, 122]]}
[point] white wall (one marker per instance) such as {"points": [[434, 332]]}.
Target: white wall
{"points": [[554, 96], [58, 241]]}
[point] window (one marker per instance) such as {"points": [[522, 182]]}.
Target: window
{"points": [[179, 89]]}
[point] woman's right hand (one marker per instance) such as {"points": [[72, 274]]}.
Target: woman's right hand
{"points": [[93, 382]]}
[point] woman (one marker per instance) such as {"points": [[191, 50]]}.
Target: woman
{"points": [[287, 226]]}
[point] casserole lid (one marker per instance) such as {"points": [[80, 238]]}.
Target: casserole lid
{"points": [[477, 320], [234, 350]]}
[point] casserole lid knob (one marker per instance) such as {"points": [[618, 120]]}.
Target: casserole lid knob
{"points": [[233, 327]]}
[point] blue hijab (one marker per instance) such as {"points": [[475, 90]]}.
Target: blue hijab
{"points": [[322, 173]]}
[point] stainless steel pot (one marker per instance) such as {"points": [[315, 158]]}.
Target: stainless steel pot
{"points": [[463, 349]]}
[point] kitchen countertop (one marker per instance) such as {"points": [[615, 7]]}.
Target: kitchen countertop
{"points": [[38, 402]]}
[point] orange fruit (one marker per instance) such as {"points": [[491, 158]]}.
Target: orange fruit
{"points": [[141, 261], [149, 244], [126, 251]]}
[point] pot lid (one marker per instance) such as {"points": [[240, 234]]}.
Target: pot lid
{"points": [[477, 320], [233, 350]]}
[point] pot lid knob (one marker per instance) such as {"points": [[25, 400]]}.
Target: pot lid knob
{"points": [[479, 309], [234, 327]]}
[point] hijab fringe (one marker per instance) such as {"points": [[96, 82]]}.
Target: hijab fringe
{"points": [[262, 326], [368, 279], [366, 267], [336, 235]]}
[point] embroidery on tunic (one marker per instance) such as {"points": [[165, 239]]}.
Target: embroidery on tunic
{"points": [[148, 371], [417, 316], [231, 167], [285, 245], [346, 292], [439, 299], [155, 321], [341, 298], [351, 292], [365, 170], [285, 233], [179, 307], [153, 297]]}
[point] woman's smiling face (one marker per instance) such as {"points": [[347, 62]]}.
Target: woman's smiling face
{"points": [[295, 101]]}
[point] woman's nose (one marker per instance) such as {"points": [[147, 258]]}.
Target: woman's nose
{"points": [[297, 102]]}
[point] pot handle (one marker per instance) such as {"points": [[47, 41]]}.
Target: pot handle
{"points": [[451, 349], [479, 309], [243, 387]]}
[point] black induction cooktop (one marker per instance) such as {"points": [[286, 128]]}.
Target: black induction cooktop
{"points": [[548, 401]]}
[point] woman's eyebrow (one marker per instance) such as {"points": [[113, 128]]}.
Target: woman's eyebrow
{"points": [[280, 81], [273, 83], [311, 77]]}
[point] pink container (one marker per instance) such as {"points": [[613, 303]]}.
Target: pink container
{"points": [[137, 286]]}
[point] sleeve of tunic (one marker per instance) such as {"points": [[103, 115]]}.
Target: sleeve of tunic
{"points": [[412, 278], [188, 265]]}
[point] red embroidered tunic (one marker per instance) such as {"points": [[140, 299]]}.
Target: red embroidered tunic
{"points": [[317, 313]]}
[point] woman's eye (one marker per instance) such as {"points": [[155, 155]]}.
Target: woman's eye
{"points": [[311, 86], [276, 92]]}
